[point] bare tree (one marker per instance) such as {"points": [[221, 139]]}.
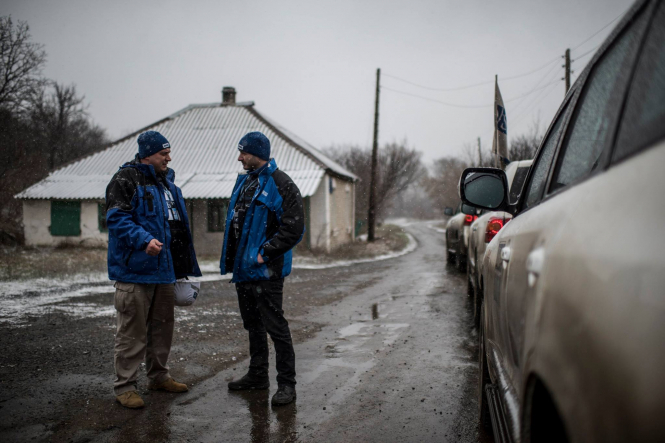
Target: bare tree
{"points": [[398, 167], [524, 146], [21, 63], [442, 182], [472, 158], [62, 126]]}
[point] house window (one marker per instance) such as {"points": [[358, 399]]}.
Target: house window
{"points": [[217, 215], [101, 217], [65, 218]]}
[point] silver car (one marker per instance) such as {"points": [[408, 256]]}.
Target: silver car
{"points": [[457, 234], [572, 331], [483, 230]]}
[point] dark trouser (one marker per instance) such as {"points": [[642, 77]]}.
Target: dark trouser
{"points": [[261, 309], [144, 328]]}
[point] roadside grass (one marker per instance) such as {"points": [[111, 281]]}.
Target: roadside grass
{"points": [[22, 263]]}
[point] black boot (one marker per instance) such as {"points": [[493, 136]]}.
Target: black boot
{"points": [[249, 381], [285, 394]]}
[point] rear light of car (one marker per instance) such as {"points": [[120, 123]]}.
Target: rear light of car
{"points": [[470, 219], [494, 225]]}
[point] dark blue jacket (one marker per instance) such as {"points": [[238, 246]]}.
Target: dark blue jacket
{"points": [[135, 206], [274, 224]]}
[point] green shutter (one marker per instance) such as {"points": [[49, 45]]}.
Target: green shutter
{"points": [[65, 218], [101, 217]]}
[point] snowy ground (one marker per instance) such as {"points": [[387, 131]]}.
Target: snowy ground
{"points": [[21, 300]]}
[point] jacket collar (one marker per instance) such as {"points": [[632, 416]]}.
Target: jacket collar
{"points": [[266, 169], [149, 170]]}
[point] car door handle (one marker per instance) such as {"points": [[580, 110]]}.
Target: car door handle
{"points": [[475, 228], [505, 254], [534, 265]]}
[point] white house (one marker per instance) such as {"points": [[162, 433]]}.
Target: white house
{"points": [[68, 205]]}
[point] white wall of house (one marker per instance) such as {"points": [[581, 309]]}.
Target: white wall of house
{"points": [[342, 213], [208, 244], [318, 215], [37, 223], [331, 221]]}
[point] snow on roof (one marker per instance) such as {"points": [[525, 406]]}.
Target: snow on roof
{"points": [[203, 142]]}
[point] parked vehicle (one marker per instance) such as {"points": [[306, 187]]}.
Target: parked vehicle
{"points": [[572, 325], [457, 234], [483, 230]]}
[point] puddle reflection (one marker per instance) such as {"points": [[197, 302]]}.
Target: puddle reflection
{"points": [[270, 423], [375, 311]]}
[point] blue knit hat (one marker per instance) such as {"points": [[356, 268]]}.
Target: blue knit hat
{"points": [[151, 142], [257, 144]]}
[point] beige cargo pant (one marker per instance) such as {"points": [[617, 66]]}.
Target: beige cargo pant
{"points": [[145, 329]]}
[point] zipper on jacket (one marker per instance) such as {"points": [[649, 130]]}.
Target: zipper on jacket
{"points": [[149, 197]]}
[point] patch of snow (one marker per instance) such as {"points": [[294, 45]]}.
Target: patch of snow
{"points": [[410, 247], [209, 266], [20, 287]]}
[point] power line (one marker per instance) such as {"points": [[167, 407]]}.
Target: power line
{"points": [[601, 29], [473, 85], [456, 105], [547, 76], [587, 53], [459, 88]]}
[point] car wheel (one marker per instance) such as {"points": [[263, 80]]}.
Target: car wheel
{"points": [[477, 300], [460, 262], [483, 377]]}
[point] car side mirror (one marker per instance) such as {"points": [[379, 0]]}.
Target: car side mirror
{"points": [[485, 188], [468, 209], [448, 211]]}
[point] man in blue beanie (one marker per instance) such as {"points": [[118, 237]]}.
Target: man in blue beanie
{"points": [[150, 246], [265, 221]]}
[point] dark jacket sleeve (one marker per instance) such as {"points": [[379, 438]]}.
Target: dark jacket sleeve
{"points": [[120, 192], [291, 216]]}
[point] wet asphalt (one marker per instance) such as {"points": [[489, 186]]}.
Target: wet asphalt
{"points": [[385, 351]]}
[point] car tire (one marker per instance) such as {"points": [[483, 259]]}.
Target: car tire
{"points": [[484, 418], [477, 300], [469, 286], [460, 262]]}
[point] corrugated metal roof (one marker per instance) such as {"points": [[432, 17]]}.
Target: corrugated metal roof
{"points": [[204, 140]]}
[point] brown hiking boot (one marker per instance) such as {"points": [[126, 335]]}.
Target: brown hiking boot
{"points": [[130, 399], [169, 385]]}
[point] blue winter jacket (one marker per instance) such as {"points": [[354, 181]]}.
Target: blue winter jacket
{"points": [[136, 214], [273, 225]]}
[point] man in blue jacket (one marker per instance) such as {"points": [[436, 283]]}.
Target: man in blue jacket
{"points": [[264, 222], [150, 246]]}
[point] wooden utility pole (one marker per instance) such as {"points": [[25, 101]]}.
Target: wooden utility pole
{"points": [[567, 66], [371, 215], [480, 155]]}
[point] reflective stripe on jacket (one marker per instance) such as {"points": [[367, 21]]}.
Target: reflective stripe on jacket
{"points": [[274, 224], [136, 213]]}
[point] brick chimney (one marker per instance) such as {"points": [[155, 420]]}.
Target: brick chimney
{"points": [[228, 95]]}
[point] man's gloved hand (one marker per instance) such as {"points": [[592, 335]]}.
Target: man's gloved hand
{"points": [[154, 247]]}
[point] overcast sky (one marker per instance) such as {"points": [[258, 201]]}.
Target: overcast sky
{"points": [[311, 65]]}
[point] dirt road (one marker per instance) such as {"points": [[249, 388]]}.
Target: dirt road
{"points": [[385, 352]]}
